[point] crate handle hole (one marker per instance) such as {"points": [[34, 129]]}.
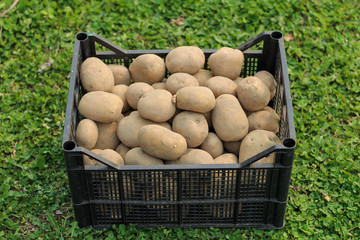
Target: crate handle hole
{"points": [[69, 145], [289, 142], [81, 36], [276, 35]]}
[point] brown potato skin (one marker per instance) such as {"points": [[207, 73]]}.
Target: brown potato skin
{"points": [[162, 143], [226, 62], [268, 79], [121, 74], [207, 116], [96, 75], [213, 145], [108, 138], [120, 90], [89, 161], [233, 147], [265, 120], [156, 105], [196, 99], [194, 156], [192, 126], [202, 76], [159, 85], [221, 85], [112, 156], [227, 158], [253, 94], [122, 149], [229, 119], [137, 156], [187, 59], [101, 106], [135, 92], [86, 134], [148, 68], [180, 80]]}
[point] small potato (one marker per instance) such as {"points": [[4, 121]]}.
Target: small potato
{"points": [[265, 120], [194, 156], [192, 126], [268, 79], [122, 149], [227, 158], [221, 85], [108, 138], [90, 161], [121, 74], [112, 156], [233, 147], [96, 75], [120, 90], [159, 85], [162, 143], [101, 106], [148, 68], [229, 119], [196, 99], [256, 142], [135, 92], [86, 134], [186, 59], [177, 81], [213, 145], [137, 156], [156, 105], [202, 76], [253, 94], [226, 62]]}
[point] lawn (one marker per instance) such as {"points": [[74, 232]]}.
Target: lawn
{"points": [[322, 47]]}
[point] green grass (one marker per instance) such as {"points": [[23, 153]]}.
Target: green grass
{"points": [[324, 68]]}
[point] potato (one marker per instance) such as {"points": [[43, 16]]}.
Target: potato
{"points": [[148, 68], [232, 147], [112, 156], [186, 59], [202, 76], [255, 142], [160, 142], [194, 156], [119, 118], [207, 116], [135, 92], [268, 79], [213, 145], [137, 156], [101, 106], [265, 120], [177, 111], [159, 85], [253, 94], [96, 75], [121, 74], [86, 134], [122, 149], [238, 80], [156, 105], [196, 99], [221, 85], [120, 90], [227, 158], [90, 161], [177, 81], [192, 126], [108, 138], [226, 62], [228, 118]]}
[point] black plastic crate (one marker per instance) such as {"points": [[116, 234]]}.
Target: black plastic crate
{"points": [[226, 195]]}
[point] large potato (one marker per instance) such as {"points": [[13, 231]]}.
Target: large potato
{"points": [[253, 94], [156, 105], [226, 62], [120, 90], [213, 145], [179, 80], [229, 119], [108, 138], [268, 79], [101, 106], [86, 134], [221, 85], [256, 142], [96, 75], [137, 156], [232, 147], [194, 156], [202, 76], [265, 120], [121, 74], [135, 91], [148, 68], [227, 158], [196, 99], [192, 126], [122, 149], [161, 142], [187, 59], [112, 156]]}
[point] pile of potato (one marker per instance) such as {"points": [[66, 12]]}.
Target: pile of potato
{"points": [[136, 116]]}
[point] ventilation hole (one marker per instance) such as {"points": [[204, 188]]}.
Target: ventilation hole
{"points": [[81, 36], [276, 35], [289, 142], [69, 145]]}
